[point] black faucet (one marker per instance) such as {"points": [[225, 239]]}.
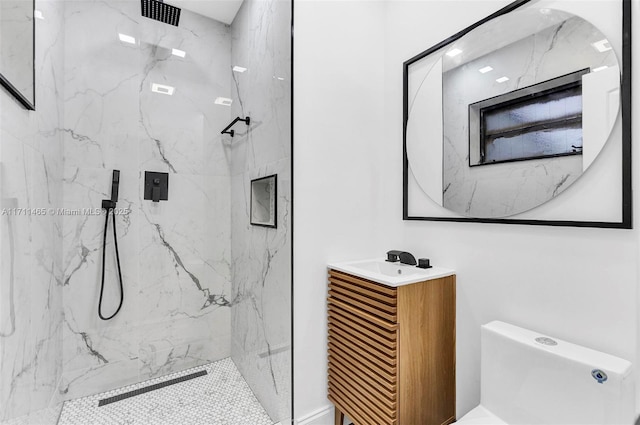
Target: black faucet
{"points": [[403, 256]]}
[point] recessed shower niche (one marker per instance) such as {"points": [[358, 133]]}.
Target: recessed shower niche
{"points": [[264, 194]]}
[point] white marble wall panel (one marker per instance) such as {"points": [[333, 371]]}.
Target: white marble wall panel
{"points": [[261, 312], [261, 257], [175, 255], [31, 240], [505, 189]]}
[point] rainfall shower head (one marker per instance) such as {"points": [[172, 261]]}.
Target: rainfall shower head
{"points": [[160, 11]]}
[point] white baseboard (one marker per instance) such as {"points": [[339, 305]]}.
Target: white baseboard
{"points": [[323, 416]]}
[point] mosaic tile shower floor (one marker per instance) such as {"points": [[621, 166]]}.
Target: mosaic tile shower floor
{"points": [[222, 397]]}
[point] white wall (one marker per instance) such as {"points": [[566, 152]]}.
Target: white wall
{"points": [[339, 197], [572, 283]]}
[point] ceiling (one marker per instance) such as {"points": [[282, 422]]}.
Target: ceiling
{"points": [[220, 10]]}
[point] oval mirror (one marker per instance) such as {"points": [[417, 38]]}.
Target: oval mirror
{"points": [[511, 114]]}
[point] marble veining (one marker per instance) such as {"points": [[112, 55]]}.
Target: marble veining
{"points": [[261, 257], [31, 163], [506, 189], [200, 283], [175, 255]]}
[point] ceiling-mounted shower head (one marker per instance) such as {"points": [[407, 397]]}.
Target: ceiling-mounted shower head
{"points": [[159, 11]]}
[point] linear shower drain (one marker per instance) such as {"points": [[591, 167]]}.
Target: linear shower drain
{"points": [[148, 388]]}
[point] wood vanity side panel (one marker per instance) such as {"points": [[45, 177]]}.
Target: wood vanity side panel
{"points": [[426, 352]]}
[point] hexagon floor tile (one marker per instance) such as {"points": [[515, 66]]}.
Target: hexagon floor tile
{"points": [[222, 397]]}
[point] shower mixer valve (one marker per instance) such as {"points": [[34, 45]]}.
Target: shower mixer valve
{"points": [[156, 186]]}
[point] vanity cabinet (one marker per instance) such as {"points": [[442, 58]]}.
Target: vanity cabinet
{"points": [[392, 350]]}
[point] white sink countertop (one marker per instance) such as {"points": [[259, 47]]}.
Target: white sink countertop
{"points": [[390, 274]]}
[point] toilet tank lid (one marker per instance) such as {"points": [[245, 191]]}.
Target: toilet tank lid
{"points": [[573, 352]]}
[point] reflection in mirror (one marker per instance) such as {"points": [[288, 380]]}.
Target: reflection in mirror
{"points": [[16, 49], [511, 114]]}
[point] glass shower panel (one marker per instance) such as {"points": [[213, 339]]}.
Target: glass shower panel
{"points": [[261, 256]]}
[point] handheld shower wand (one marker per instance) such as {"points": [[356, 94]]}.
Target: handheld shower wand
{"points": [[115, 184], [109, 205]]}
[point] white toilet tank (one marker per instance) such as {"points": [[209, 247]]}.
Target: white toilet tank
{"points": [[525, 381]]}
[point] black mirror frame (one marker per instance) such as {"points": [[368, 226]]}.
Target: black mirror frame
{"points": [[29, 104], [626, 222]]}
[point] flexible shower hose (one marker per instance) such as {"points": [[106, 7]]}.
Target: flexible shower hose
{"points": [[104, 249]]}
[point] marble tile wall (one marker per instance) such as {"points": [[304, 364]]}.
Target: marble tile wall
{"points": [[175, 255], [261, 257], [505, 189], [96, 112], [31, 166]]}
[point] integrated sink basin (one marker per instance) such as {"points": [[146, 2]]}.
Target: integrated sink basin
{"points": [[390, 274], [388, 269]]}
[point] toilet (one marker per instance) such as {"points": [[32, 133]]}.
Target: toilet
{"points": [[529, 378]]}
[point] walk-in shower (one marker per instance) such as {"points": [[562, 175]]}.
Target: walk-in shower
{"points": [[202, 296]]}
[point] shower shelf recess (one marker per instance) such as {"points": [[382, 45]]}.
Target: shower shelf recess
{"points": [[264, 207]]}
